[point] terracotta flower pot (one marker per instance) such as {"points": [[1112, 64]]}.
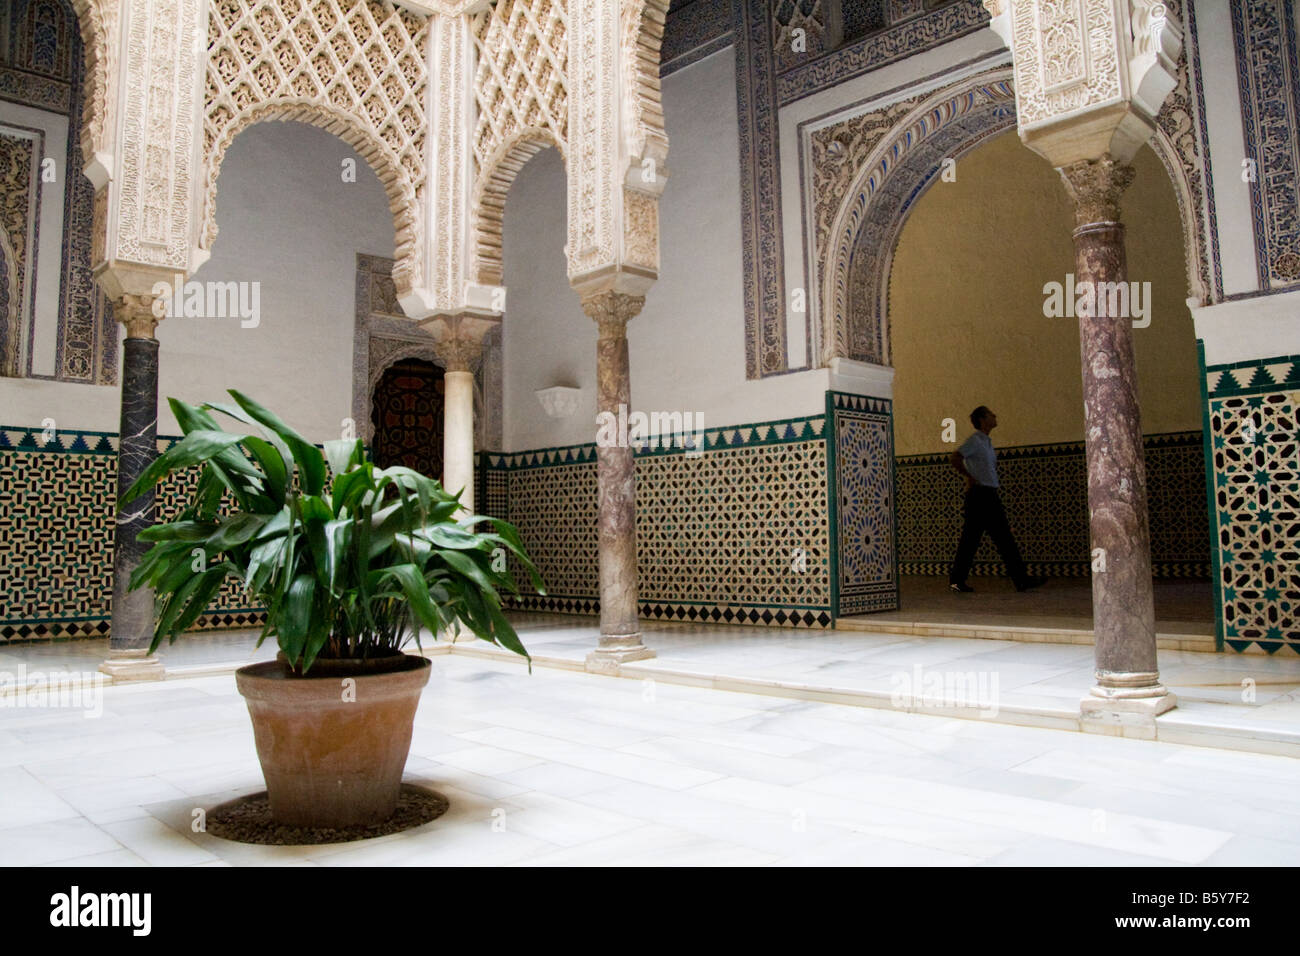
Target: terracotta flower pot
{"points": [[333, 745]]}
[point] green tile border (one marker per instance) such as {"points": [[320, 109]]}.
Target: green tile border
{"points": [[785, 431], [1207, 443], [1011, 452], [832, 504], [1291, 381]]}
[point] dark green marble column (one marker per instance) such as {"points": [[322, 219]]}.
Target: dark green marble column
{"points": [[133, 611]]}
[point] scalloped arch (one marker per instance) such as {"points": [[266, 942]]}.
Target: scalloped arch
{"points": [[402, 197], [491, 187]]}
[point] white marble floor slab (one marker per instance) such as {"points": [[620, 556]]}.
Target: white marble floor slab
{"points": [[565, 768]]}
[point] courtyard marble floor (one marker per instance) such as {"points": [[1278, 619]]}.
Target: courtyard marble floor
{"points": [[1227, 700], [559, 767]]}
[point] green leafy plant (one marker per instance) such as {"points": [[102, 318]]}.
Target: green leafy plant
{"points": [[349, 560]]}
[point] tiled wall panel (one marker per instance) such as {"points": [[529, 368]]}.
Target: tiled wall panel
{"points": [[1045, 492], [1254, 423], [737, 534], [56, 536]]}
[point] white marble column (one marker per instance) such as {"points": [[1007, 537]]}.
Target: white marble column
{"points": [[459, 348], [459, 357]]}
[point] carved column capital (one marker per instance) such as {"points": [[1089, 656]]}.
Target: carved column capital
{"points": [[459, 353], [459, 344], [612, 311], [137, 313], [1096, 185]]}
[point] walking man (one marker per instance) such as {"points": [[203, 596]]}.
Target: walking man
{"points": [[977, 462]]}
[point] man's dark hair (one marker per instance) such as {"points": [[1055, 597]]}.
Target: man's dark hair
{"points": [[977, 416]]}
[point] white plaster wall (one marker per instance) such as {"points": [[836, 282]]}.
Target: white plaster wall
{"points": [[688, 344], [288, 221], [1264, 326]]}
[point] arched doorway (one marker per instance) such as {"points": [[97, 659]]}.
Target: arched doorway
{"points": [[406, 412], [969, 323]]}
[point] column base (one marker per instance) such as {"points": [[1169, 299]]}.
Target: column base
{"points": [[132, 665], [1122, 712], [616, 651]]}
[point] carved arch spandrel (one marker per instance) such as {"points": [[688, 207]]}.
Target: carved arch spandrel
{"points": [[643, 26], [899, 170], [97, 22], [645, 138], [863, 337]]}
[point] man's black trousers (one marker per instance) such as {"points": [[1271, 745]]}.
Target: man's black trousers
{"points": [[983, 511]]}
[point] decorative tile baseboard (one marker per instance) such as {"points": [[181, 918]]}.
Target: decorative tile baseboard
{"points": [[1044, 489], [737, 533], [56, 536], [862, 503]]}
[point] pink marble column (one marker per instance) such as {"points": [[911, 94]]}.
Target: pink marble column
{"points": [[1128, 689], [620, 631]]}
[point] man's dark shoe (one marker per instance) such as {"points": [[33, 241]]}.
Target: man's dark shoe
{"points": [[1028, 584], [961, 588]]}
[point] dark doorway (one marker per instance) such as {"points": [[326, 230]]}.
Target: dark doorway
{"points": [[406, 410]]}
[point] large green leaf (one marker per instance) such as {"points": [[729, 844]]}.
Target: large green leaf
{"points": [[451, 536], [417, 593], [196, 447], [230, 466], [179, 531], [273, 465], [342, 453], [239, 415], [311, 464], [235, 530], [467, 566], [295, 618]]}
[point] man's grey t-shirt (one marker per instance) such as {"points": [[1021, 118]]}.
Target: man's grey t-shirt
{"points": [[981, 459]]}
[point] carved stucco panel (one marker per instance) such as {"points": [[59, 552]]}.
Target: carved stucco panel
{"points": [[593, 149], [641, 229], [450, 169], [1065, 56], [157, 134]]}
